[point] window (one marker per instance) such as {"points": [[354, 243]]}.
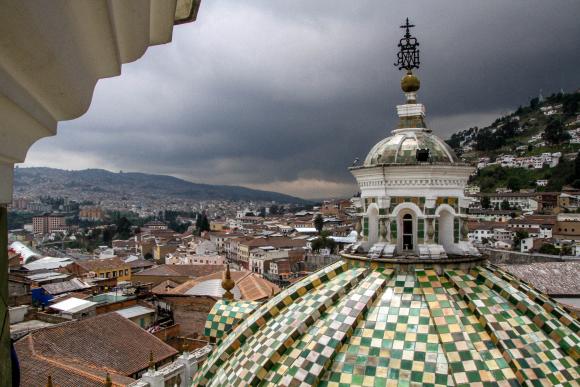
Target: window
{"points": [[407, 232], [126, 271], [108, 274]]}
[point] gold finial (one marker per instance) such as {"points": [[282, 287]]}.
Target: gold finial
{"points": [[228, 284], [151, 360], [49, 381], [410, 83], [108, 381]]}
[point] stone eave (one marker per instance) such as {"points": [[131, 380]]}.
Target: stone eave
{"points": [[412, 165]]}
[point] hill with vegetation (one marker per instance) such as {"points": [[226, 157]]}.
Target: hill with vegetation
{"points": [[99, 183], [543, 126]]}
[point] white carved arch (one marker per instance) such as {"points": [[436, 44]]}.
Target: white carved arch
{"points": [[407, 206], [445, 207]]}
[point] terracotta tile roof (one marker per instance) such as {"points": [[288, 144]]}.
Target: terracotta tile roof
{"points": [[140, 263], [164, 287], [535, 219], [483, 225], [101, 264], [252, 287], [181, 270], [552, 278], [79, 353], [34, 370], [279, 242]]}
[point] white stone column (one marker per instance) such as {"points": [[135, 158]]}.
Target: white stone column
{"points": [[154, 378], [189, 362]]}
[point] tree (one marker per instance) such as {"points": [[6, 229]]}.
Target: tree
{"points": [[486, 202], [318, 223], [123, 228], [274, 209], [570, 106], [534, 103], [549, 249], [263, 212], [323, 242], [202, 223], [514, 184], [520, 235], [566, 250], [505, 205], [554, 132]]}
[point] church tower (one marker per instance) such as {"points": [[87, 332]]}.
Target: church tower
{"points": [[412, 201]]}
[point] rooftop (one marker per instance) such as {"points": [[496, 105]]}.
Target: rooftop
{"points": [[249, 286], [73, 305], [135, 311], [553, 278], [71, 353]]}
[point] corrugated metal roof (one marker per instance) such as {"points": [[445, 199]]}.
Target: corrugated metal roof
{"points": [[73, 305], [24, 251], [212, 288], [135, 311], [48, 263]]}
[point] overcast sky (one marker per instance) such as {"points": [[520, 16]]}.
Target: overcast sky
{"points": [[283, 95]]}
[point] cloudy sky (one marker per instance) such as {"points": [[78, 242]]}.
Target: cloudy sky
{"points": [[283, 95]]}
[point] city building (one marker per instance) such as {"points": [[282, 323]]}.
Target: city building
{"points": [[48, 223], [101, 268], [91, 213]]}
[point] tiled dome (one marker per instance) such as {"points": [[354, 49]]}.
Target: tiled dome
{"points": [[348, 325], [401, 148]]}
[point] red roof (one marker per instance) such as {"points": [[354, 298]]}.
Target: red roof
{"points": [[80, 353]]}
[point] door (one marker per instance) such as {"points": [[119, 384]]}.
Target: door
{"points": [[408, 232]]}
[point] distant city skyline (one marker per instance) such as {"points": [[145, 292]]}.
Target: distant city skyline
{"points": [[283, 96]]}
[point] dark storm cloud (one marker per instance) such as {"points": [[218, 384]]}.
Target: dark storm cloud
{"points": [[285, 94]]}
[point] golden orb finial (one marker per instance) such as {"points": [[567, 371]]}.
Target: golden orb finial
{"points": [[228, 284], [410, 83]]}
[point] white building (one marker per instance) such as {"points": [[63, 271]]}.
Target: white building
{"points": [[472, 189], [412, 191]]}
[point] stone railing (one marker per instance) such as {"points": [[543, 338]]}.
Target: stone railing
{"points": [[176, 374]]}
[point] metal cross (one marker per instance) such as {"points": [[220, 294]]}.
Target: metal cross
{"points": [[407, 26], [408, 55]]}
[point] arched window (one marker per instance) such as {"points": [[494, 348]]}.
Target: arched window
{"points": [[408, 232]]}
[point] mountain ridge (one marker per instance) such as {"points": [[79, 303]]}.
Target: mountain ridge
{"points": [[100, 182]]}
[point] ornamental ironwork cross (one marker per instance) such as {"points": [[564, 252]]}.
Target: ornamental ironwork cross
{"points": [[408, 55]]}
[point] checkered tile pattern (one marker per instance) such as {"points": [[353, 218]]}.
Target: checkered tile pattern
{"points": [[250, 364], [534, 357], [271, 308], [561, 334], [465, 363], [566, 317], [363, 323], [226, 315], [480, 339], [395, 344], [309, 356]]}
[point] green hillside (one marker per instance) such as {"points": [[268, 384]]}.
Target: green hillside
{"points": [[514, 130], [526, 132]]}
